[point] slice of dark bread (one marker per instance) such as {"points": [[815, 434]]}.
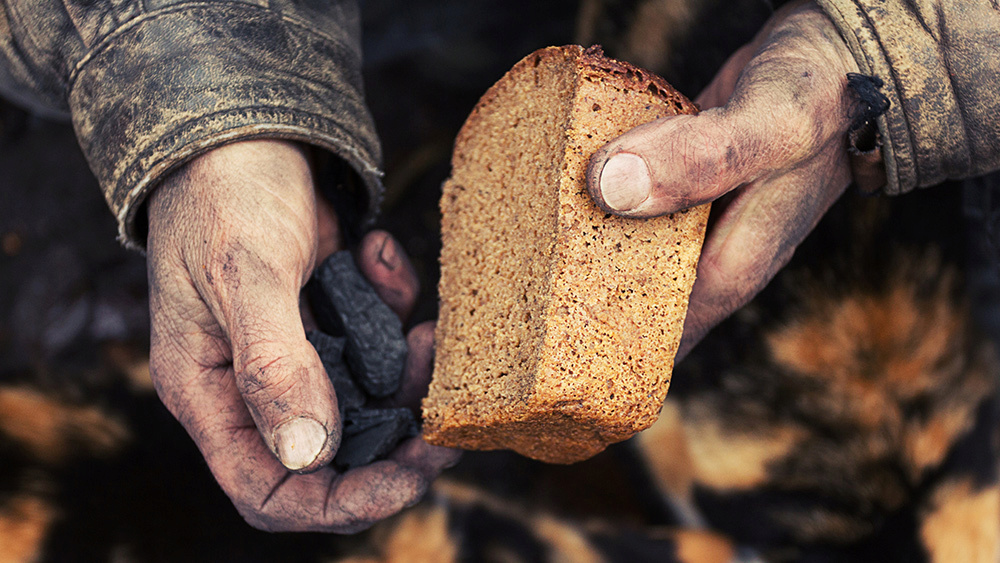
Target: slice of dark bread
{"points": [[558, 323]]}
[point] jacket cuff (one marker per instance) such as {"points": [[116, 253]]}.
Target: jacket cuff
{"points": [[926, 138], [178, 82]]}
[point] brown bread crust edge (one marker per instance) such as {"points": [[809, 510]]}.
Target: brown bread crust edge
{"points": [[552, 423]]}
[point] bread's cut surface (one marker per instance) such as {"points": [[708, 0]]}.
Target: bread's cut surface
{"points": [[558, 323]]}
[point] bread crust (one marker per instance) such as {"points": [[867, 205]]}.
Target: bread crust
{"points": [[587, 340]]}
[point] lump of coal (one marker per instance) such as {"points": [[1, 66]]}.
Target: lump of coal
{"points": [[370, 434], [365, 361], [345, 303], [331, 352], [329, 348]]}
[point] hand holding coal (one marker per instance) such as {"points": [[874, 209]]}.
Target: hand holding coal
{"points": [[232, 235]]}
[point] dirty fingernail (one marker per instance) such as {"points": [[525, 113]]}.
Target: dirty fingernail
{"points": [[298, 442], [389, 255], [625, 181]]}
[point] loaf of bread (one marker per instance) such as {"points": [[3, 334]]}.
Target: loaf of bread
{"points": [[558, 322]]}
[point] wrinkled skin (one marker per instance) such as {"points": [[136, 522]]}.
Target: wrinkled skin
{"points": [[233, 237], [769, 149]]}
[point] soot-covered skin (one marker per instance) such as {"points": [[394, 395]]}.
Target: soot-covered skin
{"points": [[345, 304], [365, 364]]}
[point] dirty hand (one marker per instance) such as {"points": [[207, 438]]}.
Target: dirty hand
{"points": [[233, 237], [771, 152]]}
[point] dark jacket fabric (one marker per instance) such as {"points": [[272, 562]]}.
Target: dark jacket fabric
{"points": [[939, 61], [149, 84]]}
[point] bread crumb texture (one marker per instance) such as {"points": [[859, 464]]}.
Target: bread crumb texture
{"points": [[558, 323]]}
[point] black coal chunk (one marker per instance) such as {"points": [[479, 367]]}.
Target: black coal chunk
{"points": [[345, 303], [365, 360], [329, 348], [370, 434], [331, 352]]}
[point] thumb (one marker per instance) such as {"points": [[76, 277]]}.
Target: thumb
{"points": [[664, 166], [789, 101], [682, 161], [241, 223], [278, 373]]}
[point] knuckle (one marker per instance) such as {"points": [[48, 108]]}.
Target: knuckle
{"points": [[385, 489], [736, 277], [248, 507], [221, 267], [357, 511], [733, 281], [802, 132], [162, 374]]}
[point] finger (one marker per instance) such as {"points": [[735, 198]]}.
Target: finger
{"points": [[754, 237], [429, 460], [419, 368], [384, 262], [363, 496], [668, 165], [788, 101], [278, 373], [684, 161]]}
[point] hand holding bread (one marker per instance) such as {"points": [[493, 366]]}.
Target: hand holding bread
{"points": [[559, 326], [769, 149]]}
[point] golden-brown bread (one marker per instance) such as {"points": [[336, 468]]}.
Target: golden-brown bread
{"points": [[558, 323]]}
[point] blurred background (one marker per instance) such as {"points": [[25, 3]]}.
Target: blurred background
{"points": [[93, 468]]}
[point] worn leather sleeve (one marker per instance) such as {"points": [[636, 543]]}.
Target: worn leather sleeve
{"points": [[940, 62], [151, 83]]}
